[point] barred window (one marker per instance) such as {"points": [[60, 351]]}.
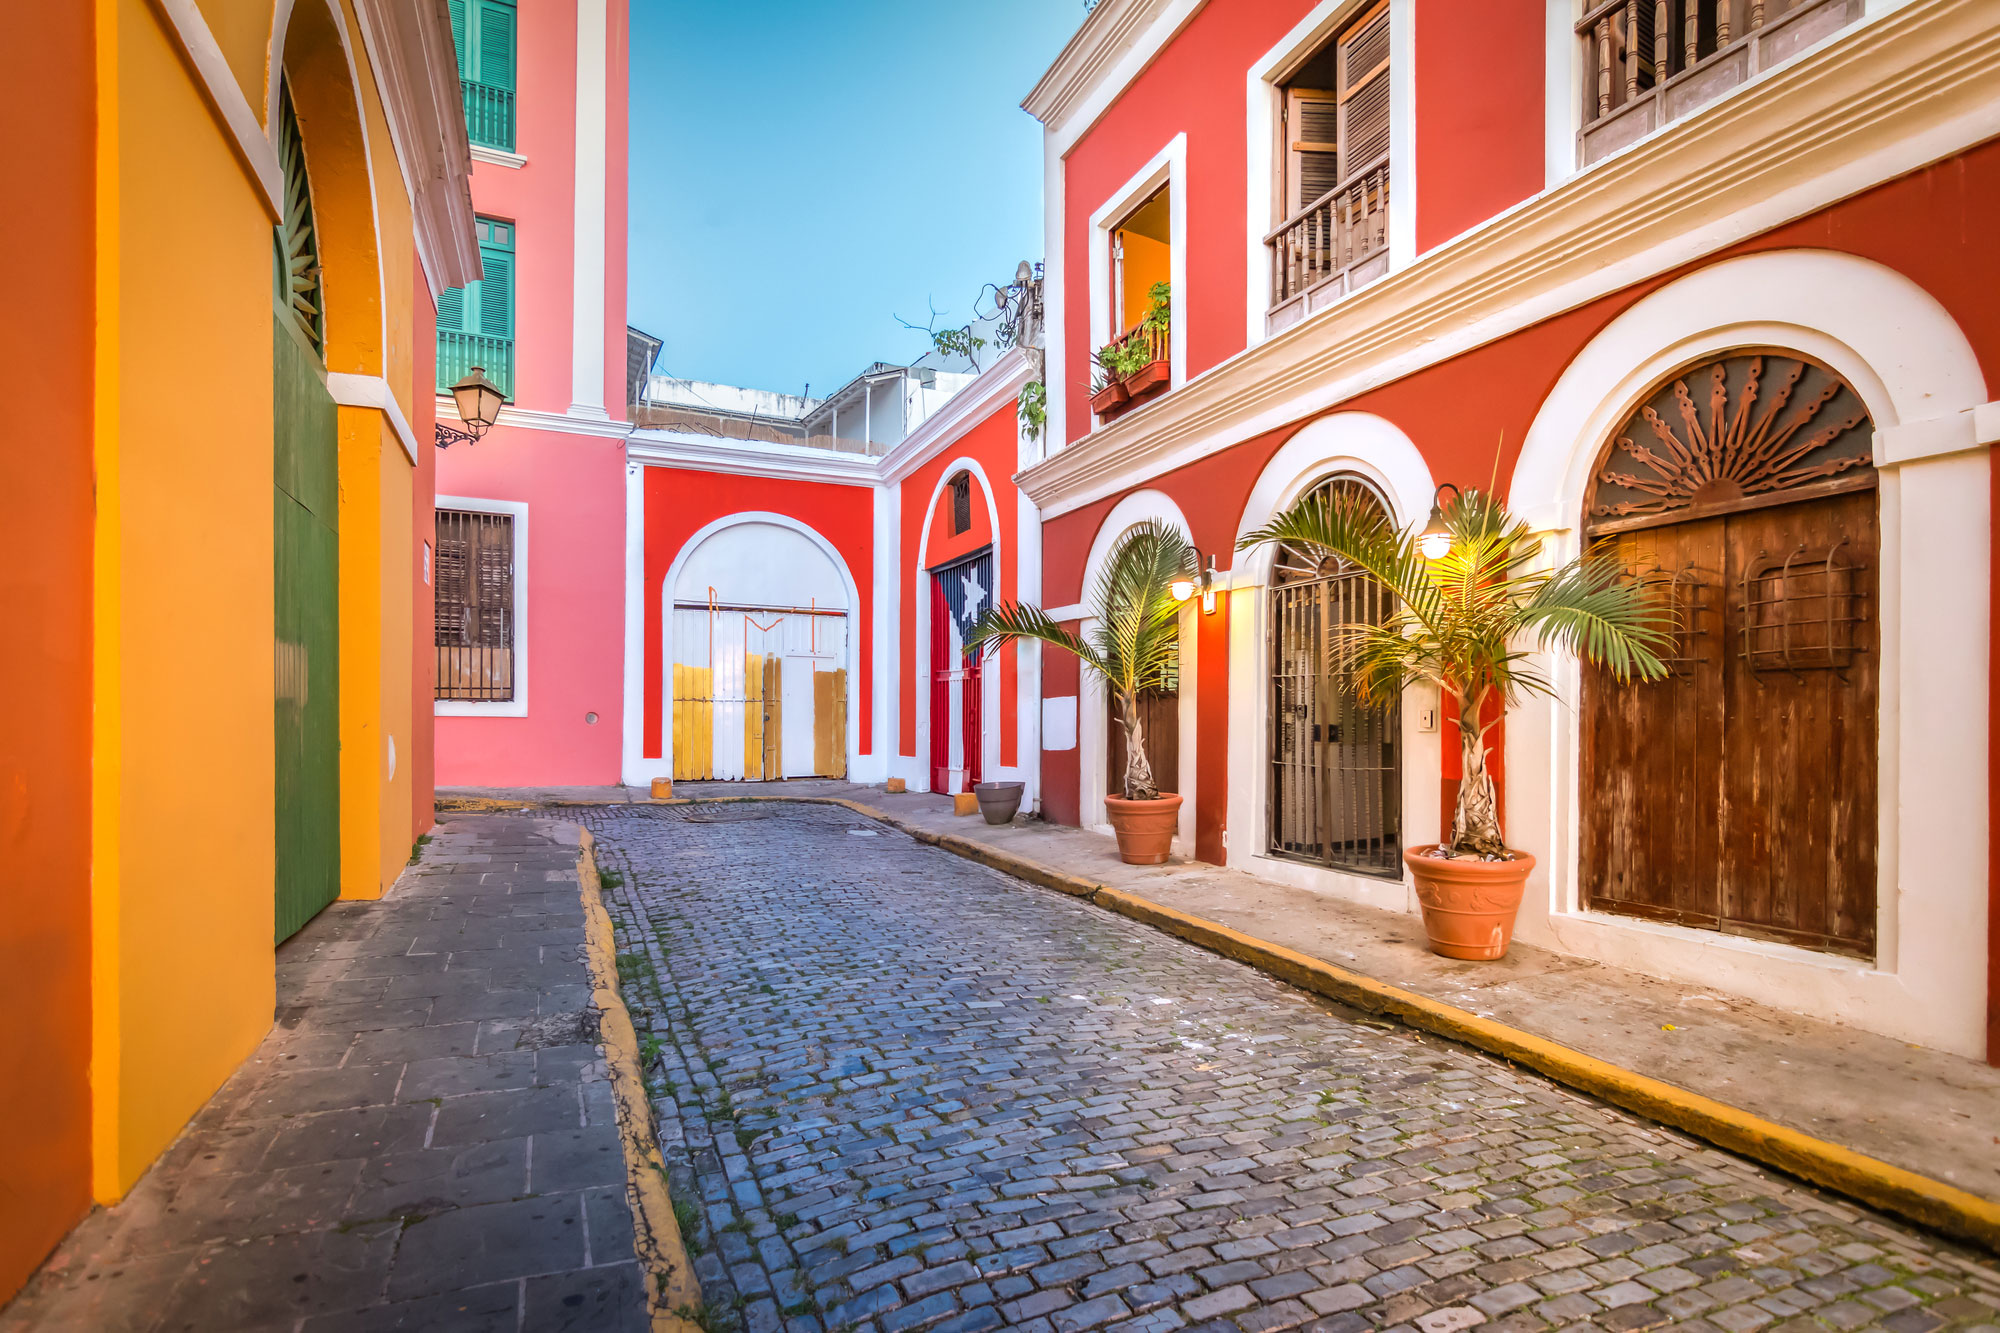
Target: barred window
{"points": [[474, 616]]}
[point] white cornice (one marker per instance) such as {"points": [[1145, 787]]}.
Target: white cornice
{"points": [[225, 96], [1117, 41], [373, 391], [416, 75], [1898, 91], [563, 423], [751, 458], [999, 382], [497, 158]]}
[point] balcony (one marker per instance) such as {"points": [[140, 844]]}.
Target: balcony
{"points": [[1648, 62], [489, 115], [1330, 247], [458, 353], [1133, 367]]}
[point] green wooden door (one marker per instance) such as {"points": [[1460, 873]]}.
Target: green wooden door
{"points": [[306, 548]]}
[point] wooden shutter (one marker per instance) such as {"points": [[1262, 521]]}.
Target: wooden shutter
{"points": [[495, 43], [1364, 92], [474, 616], [451, 310], [1312, 131]]}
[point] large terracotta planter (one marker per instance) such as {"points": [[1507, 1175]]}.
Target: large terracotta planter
{"points": [[1145, 829], [1469, 905]]}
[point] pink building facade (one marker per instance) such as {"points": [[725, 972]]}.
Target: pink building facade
{"points": [[529, 556]]}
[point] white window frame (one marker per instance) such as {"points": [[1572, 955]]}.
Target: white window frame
{"points": [[518, 705], [1168, 167], [1264, 101]]}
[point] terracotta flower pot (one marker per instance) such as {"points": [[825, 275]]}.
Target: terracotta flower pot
{"points": [[1144, 380], [1469, 905], [1107, 398], [999, 800], [1145, 829]]}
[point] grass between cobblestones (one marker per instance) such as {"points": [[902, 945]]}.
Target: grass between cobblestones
{"points": [[908, 1092]]}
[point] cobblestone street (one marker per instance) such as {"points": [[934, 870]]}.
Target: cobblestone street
{"points": [[909, 1092]]}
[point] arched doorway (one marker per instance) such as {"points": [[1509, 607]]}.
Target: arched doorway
{"points": [[1335, 764], [1739, 793], [306, 557], [760, 650]]}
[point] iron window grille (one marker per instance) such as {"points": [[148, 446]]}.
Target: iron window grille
{"points": [[474, 615]]}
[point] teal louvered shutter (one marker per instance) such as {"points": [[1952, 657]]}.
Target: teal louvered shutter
{"points": [[496, 294], [459, 38], [451, 310], [496, 44]]}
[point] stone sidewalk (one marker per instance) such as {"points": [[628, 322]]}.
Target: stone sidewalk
{"points": [[1924, 1110], [425, 1140]]}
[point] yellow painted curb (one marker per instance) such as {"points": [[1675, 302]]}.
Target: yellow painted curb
{"points": [[1892, 1189], [672, 1293]]}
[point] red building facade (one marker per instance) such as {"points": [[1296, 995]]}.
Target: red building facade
{"points": [[1407, 244]]}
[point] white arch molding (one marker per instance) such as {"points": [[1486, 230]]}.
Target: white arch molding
{"points": [[1375, 449], [664, 761], [1093, 720], [1914, 370], [920, 664]]}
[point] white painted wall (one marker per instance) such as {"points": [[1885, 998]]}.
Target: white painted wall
{"points": [[761, 564]]}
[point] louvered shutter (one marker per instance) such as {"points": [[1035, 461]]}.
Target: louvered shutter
{"points": [[1312, 124], [451, 310], [1364, 93], [459, 41], [495, 293], [496, 44]]}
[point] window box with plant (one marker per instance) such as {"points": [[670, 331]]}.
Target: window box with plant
{"points": [[1134, 648], [1135, 365], [1468, 595]]}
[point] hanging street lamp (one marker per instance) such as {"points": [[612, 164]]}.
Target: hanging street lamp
{"points": [[479, 400], [1435, 540]]}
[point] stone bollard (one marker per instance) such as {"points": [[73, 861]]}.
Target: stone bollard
{"points": [[663, 789]]}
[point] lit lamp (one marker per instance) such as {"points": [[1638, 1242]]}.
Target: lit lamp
{"points": [[1435, 540], [478, 400], [1182, 589]]}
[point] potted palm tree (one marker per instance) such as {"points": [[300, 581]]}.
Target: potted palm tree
{"points": [[1132, 649], [1469, 593]]}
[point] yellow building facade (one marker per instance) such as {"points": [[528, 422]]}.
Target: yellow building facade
{"points": [[153, 824]]}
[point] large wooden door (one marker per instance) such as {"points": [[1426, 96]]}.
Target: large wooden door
{"points": [[1739, 794], [306, 653]]}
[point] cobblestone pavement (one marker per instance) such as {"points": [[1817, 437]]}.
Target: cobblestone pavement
{"points": [[425, 1141], [910, 1093]]}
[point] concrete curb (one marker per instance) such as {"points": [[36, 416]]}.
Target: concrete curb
{"points": [[1892, 1189], [672, 1293]]}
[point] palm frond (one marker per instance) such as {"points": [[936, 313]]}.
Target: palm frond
{"points": [[1010, 622]]}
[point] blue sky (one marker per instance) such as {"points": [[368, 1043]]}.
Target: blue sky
{"points": [[801, 174]]}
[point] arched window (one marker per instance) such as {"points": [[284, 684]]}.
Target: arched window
{"points": [[1336, 784], [1739, 793]]}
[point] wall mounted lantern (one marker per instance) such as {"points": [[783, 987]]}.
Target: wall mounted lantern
{"points": [[1435, 540], [478, 400]]}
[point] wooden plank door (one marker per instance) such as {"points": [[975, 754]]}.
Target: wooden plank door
{"points": [[1739, 794], [940, 686], [1160, 719], [773, 758], [306, 621]]}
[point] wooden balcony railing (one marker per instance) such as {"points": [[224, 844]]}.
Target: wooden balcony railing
{"points": [[460, 352], [489, 115], [1331, 246], [1647, 62]]}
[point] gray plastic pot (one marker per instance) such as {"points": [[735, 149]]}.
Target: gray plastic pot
{"points": [[999, 800]]}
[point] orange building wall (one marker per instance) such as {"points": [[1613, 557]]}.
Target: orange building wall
{"points": [[47, 285]]}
